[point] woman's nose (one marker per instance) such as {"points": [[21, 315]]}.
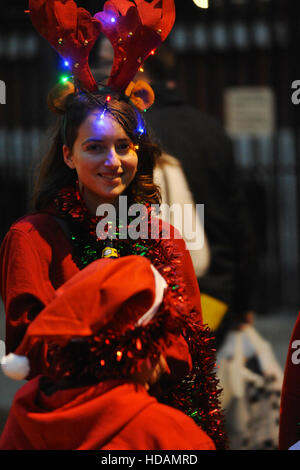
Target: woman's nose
{"points": [[112, 159]]}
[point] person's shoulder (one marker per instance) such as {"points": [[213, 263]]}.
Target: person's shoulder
{"points": [[38, 230], [172, 415], [33, 222], [179, 429]]}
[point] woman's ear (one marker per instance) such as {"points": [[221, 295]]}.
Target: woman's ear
{"points": [[68, 158]]}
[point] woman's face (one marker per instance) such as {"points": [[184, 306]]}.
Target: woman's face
{"points": [[105, 160]]}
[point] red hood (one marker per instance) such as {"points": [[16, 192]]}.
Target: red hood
{"points": [[71, 419]]}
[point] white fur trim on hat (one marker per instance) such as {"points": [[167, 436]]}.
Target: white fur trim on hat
{"points": [[15, 367], [160, 286]]}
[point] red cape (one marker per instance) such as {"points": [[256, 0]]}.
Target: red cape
{"points": [[106, 416]]}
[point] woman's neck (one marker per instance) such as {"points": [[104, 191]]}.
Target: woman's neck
{"points": [[92, 201]]}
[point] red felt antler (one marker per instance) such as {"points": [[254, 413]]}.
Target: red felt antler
{"points": [[72, 31], [135, 29]]}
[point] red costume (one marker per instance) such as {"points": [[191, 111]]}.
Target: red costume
{"points": [[107, 416], [289, 428]]}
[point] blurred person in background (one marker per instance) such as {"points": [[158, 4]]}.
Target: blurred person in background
{"points": [[227, 263]]}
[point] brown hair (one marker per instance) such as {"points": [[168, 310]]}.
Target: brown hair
{"points": [[53, 174]]}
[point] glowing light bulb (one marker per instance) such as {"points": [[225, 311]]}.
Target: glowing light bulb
{"points": [[64, 79], [119, 355], [113, 20], [201, 3], [153, 52], [100, 118], [108, 98], [66, 63]]}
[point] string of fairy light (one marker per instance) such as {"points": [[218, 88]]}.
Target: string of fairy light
{"points": [[63, 79], [112, 19], [67, 63]]}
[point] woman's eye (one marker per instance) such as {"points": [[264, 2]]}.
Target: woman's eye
{"points": [[121, 148], [124, 147], [95, 148]]}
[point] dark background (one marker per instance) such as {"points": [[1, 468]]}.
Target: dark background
{"points": [[233, 43]]}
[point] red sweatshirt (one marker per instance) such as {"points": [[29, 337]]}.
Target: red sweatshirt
{"points": [[107, 416]]}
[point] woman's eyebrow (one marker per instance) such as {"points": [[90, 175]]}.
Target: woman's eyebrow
{"points": [[97, 140], [92, 139]]}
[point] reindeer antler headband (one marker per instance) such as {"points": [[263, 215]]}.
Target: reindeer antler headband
{"points": [[135, 29]]}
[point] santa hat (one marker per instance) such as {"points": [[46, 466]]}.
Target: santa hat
{"points": [[109, 304]]}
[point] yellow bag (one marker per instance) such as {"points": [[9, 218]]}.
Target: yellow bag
{"points": [[213, 311]]}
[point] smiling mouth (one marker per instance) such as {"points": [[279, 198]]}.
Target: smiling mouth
{"points": [[109, 177]]}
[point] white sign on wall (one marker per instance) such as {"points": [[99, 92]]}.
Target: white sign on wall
{"points": [[249, 111]]}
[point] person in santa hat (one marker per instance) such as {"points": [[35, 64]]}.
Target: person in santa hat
{"points": [[106, 349]]}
